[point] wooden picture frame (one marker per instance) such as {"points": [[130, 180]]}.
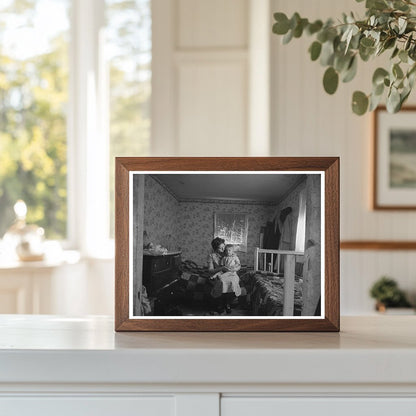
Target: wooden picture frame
{"points": [[130, 232], [394, 152]]}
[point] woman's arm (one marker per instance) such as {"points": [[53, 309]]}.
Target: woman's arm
{"points": [[211, 266]]}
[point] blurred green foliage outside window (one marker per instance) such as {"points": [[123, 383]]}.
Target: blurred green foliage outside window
{"points": [[34, 90]]}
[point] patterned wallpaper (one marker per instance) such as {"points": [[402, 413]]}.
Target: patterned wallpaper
{"points": [[292, 200], [189, 226], [161, 212], [197, 227]]}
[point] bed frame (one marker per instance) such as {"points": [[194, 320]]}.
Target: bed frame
{"points": [[289, 257]]}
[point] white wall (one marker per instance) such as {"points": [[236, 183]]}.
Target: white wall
{"points": [[211, 92], [308, 122], [203, 83]]}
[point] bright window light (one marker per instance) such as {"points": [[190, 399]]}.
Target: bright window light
{"points": [[33, 111]]}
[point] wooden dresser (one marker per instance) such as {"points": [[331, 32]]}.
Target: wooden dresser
{"points": [[160, 270]]}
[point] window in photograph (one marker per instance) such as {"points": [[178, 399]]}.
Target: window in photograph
{"points": [[33, 109], [232, 228]]}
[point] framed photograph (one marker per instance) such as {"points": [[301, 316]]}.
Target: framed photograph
{"points": [[394, 179], [227, 244]]}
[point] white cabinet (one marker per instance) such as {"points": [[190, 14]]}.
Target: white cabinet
{"points": [[88, 406], [324, 406], [53, 365]]}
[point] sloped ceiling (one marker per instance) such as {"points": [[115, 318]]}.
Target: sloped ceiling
{"points": [[240, 187]]}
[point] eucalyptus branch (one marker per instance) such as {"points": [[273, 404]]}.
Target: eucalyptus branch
{"points": [[389, 25]]}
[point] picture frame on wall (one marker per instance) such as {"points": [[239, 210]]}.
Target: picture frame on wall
{"points": [[394, 150], [227, 244]]}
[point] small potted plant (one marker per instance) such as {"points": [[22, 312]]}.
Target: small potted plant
{"points": [[387, 294]]}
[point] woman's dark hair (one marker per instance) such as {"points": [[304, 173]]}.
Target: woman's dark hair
{"points": [[216, 242]]}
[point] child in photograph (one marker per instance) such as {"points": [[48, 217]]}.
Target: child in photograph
{"points": [[229, 277], [230, 261]]}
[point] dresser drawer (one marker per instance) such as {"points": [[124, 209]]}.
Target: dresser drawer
{"points": [[161, 264]]}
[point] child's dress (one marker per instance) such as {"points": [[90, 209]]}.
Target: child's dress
{"points": [[230, 280]]}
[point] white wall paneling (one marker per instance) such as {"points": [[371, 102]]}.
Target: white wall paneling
{"points": [[212, 103], [259, 78], [212, 24], [210, 76], [308, 122]]}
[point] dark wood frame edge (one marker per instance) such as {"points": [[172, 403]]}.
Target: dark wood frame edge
{"points": [[331, 322]]}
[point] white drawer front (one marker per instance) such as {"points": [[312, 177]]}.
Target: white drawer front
{"points": [[271, 406], [87, 406]]}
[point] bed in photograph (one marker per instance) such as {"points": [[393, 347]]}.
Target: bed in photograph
{"points": [[262, 291]]}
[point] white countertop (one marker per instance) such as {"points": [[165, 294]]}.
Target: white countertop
{"points": [[53, 349]]}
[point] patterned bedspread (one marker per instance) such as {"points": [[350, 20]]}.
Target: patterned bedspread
{"points": [[263, 291], [266, 294], [198, 286]]}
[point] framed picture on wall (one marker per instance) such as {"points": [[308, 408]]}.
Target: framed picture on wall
{"points": [[394, 178], [272, 263]]}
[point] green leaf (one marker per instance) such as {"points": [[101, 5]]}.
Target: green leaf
{"points": [[366, 53], [315, 50], [294, 20], [374, 102], [408, 42], [330, 80], [281, 27], [376, 4], [389, 43], [327, 53], [404, 95], [359, 103], [397, 71], [341, 61], [402, 24], [351, 71], [288, 37], [403, 56], [393, 101], [400, 5], [395, 52], [379, 75], [378, 89], [367, 42], [298, 30], [314, 27]]}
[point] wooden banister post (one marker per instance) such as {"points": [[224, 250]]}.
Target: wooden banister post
{"points": [[289, 285], [256, 259]]}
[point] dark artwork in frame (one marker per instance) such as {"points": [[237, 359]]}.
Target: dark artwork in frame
{"points": [[227, 244]]}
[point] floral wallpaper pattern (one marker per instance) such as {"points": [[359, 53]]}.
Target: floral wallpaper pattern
{"points": [[189, 226], [161, 212], [196, 224]]}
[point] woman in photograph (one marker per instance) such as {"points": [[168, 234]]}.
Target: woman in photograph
{"points": [[226, 284]]}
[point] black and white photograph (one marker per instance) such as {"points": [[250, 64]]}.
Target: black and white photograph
{"points": [[226, 244]]}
